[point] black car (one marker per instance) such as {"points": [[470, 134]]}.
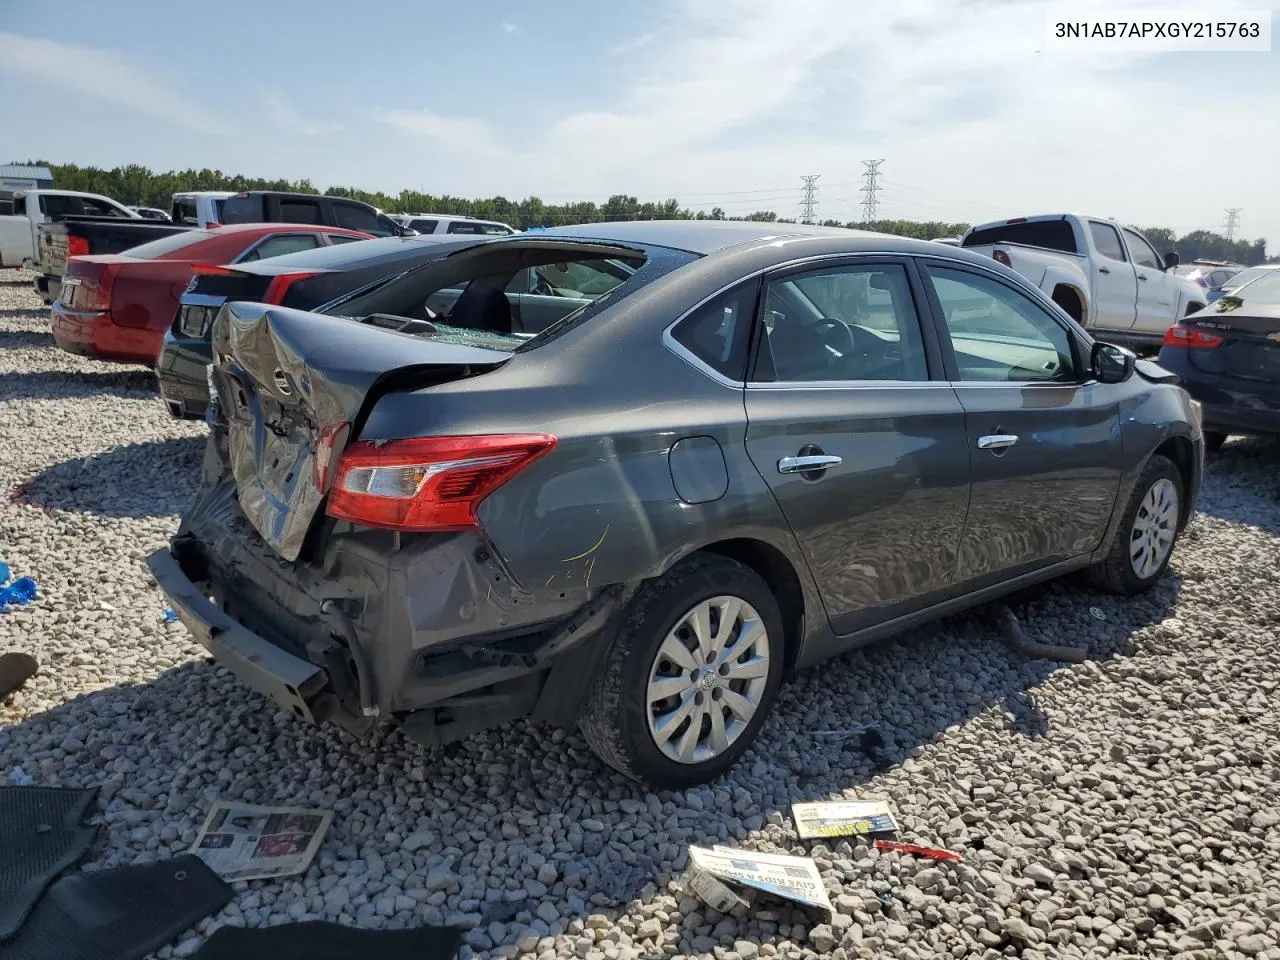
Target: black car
{"points": [[1228, 357], [304, 280]]}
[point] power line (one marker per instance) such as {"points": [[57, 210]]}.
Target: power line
{"points": [[1233, 221], [870, 187], [810, 199]]}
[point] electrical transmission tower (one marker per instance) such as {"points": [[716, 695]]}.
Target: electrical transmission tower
{"points": [[1233, 221], [871, 187], [809, 201]]}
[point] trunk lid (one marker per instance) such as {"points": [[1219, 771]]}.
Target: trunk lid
{"points": [[1250, 347], [87, 283], [288, 381]]}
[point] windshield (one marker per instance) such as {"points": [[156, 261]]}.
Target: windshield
{"points": [[160, 249]]}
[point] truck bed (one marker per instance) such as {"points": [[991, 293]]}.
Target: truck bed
{"points": [[100, 234]]}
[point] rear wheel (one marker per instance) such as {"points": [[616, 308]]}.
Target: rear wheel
{"points": [[691, 676], [1143, 544], [1214, 441]]}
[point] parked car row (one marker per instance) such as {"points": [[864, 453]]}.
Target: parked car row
{"points": [[118, 306]]}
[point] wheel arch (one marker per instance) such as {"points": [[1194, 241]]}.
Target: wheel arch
{"points": [[1068, 296], [780, 575], [1181, 451]]}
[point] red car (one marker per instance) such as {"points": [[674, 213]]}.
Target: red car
{"points": [[117, 306]]}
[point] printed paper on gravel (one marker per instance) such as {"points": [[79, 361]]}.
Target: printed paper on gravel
{"points": [[243, 842], [843, 818]]}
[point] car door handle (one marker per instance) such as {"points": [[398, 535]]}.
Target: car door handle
{"points": [[1142, 276], [997, 441], [1104, 269], [805, 464]]}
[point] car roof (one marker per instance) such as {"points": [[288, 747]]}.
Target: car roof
{"points": [[351, 256], [708, 236], [275, 226]]}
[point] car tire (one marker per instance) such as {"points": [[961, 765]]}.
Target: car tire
{"points": [[1150, 521], [1213, 441], [621, 719]]}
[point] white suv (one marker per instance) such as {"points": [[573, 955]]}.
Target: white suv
{"points": [[441, 223]]}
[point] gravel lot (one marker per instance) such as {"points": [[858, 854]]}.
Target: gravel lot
{"points": [[1127, 806]]}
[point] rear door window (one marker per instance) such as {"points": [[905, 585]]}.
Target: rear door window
{"points": [[1107, 239], [423, 226], [242, 210], [279, 245], [465, 226], [342, 238], [300, 211], [96, 208]]}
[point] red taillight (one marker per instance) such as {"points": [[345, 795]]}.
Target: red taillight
{"points": [[1180, 335], [1017, 220], [332, 439], [432, 483], [999, 256], [282, 282], [77, 247]]}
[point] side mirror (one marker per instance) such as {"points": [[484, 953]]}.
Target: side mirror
{"points": [[1112, 364], [1171, 259]]}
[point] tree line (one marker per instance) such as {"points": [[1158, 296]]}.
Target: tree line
{"points": [[140, 186]]}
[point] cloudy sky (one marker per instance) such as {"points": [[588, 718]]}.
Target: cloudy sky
{"points": [[716, 102]]}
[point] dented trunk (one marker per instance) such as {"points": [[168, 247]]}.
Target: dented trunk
{"points": [[292, 385]]}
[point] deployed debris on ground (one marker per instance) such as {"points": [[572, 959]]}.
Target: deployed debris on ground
{"points": [[242, 841]]}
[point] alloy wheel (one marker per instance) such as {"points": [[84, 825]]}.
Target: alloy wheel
{"points": [[708, 679]]}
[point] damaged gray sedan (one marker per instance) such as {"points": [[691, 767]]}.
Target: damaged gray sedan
{"points": [[625, 477]]}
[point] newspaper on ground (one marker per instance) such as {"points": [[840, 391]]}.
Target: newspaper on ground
{"points": [[843, 818], [240, 841], [714, 875]]}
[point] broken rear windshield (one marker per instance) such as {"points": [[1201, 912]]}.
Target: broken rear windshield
{"points": [[516, 294]]}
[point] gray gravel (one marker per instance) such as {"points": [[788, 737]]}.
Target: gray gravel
{"points": [[1127, 806]]}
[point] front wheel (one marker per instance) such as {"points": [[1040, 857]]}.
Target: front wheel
{"points": [[1143, 544], [691, 675]]}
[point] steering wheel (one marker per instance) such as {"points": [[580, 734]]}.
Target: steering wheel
{"points": [[838, 334], [542, 288]]}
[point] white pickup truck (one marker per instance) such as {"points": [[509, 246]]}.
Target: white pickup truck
{"points": [[18, 231], [1109, 278]]}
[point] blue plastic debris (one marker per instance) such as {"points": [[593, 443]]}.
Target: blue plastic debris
{"points": [[170, 615], [22, 590]]}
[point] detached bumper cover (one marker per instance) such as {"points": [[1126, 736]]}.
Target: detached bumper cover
{"points": [[288, 680]]}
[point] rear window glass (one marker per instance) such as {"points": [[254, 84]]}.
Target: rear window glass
{"points": [[242, 210], [157, 249], [1050, 234], [424, 226], [1265, 289], [470, 295]]}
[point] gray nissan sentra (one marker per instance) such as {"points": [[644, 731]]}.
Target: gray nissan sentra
{"points": [[627, 476]]}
